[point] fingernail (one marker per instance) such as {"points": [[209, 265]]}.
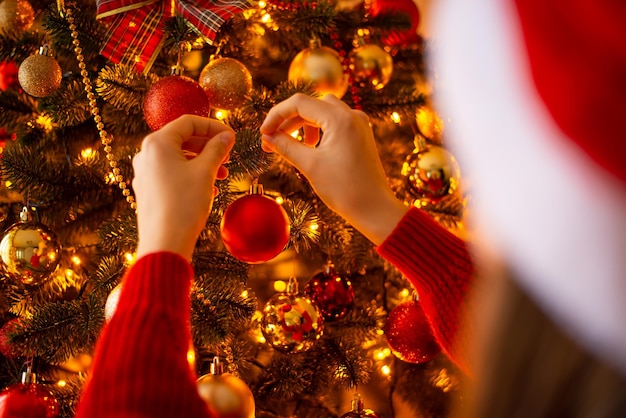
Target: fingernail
{"points": [[268, 138], [227, 137]]}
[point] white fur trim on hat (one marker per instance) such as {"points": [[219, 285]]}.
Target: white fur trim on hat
{"points": [[559, 220]]}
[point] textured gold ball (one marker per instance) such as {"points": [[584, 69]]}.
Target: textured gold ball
{"points": [[227, 82], [371, 65], [40, 75], [226, 395], [30, 252], [429, 123], [432, 172], [322, 67], [16, 15]]}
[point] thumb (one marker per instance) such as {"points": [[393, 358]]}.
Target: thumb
{"points": [[216, 150], [289, 148]]}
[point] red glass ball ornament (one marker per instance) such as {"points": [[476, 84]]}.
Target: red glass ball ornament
{"points": [[399, 38], [255, 228], [332, 293], [28, 401], [6, 347], [409, 334], [172, 97]]}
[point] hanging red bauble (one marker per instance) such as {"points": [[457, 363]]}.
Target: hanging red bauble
{"points": [[226, 395], [409, 334], [399, 38], [331, 292], [6, 347], [255, 228], [171, 97], [28, 400], [8, 75]]}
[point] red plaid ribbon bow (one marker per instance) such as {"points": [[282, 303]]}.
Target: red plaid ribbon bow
{"points": [[135, 34]]}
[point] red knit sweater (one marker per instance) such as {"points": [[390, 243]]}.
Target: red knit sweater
{"points": [[141, 368]]}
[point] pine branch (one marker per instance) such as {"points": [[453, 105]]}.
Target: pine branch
{"points": [[304, 232], [90, 31], [67, 106], [16, 46], [123, 87], [118, 235], [306, 21], [346, 359], [247, 159], [16, 109]]}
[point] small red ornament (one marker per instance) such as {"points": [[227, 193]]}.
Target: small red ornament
{"points": [[255, 228], [409, 335], [6, 348], [399, 38], [331, 292], [171, 97], [28, 400], [8, 75]]}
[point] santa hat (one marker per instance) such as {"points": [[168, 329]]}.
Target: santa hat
{"points": [[536, 92]]}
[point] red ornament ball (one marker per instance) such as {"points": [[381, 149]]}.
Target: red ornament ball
{"points": [[255, 228], [332, 293], [172, 97], [409, 334], [399, 38], [6, 347], [28, 401]]}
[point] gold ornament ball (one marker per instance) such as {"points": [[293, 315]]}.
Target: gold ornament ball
{"points": [[432, 172], [429, 123], [322, 67], [226, 395], [39, 75], [30, 252], [291, 322], [227, 82], [371, 65], [16, 15]]}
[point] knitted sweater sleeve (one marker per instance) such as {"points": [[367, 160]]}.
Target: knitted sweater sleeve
{"points": [[140, 368], [438, 265]]}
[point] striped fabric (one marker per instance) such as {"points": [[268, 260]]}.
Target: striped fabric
{"points": [[438, 265], [135, 28]]}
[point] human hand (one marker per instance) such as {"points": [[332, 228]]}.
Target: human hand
{"points": [[174, 194], [344, 168]]}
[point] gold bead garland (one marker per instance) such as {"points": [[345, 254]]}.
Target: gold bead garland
{"points": [[105, 138]]}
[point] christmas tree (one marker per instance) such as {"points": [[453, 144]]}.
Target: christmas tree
{"points": [[83, 83]]}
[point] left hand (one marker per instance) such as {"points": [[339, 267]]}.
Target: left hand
{"points": [[174, 194]]}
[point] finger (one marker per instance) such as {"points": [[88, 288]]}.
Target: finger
{"points": [[186, 127], [214, 152], [222, 173], [313, 111], [289, 148]]}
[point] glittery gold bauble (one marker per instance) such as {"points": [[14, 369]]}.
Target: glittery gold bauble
{"points": [[291, 321], [16, 15], [30, 252], [322, 67], [226, 395], [371, 65], [40, 75], [432, 172], [429, 123], [227, 82]]}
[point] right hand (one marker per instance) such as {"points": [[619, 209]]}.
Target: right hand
{"points": [[344, 167]]}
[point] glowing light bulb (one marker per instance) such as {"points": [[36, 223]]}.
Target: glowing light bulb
{"points": [[395, 117]]}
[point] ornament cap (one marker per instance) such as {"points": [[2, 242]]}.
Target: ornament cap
{"points": [[357, 404], [292, 285], [315, 43], [177, 70], [217, 367], [256, 188], [420, 142], [45, 50], [24, 214], [29, 377]]}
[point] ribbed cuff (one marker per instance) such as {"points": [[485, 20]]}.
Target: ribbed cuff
{"points": [[162, 278]]}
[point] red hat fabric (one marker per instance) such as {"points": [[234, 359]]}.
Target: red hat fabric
{"points": [[536, 93]]}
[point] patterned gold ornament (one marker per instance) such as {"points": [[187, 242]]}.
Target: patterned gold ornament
{"points": [[291, 321], [429, 123], [40, 74], [225, 394], [30, 251], [432, 172], [370, 64], [321, 66], [227, 82], [16, 15]]}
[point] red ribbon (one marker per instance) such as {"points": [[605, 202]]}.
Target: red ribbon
{"points": [[135, 34]]}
